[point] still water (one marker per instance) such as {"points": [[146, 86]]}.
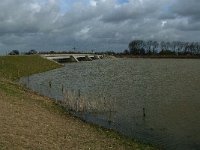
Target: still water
{"points": [[156, 100]]}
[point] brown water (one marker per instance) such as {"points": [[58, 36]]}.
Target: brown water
{"points": [[166, 90]]}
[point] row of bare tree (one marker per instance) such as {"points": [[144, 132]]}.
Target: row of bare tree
{"points": [[140, 47]]}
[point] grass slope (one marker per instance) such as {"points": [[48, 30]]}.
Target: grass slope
{"points": [[30, 121], [14, 67]]}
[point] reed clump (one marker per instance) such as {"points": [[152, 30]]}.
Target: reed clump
{"points": [[77, 103]]}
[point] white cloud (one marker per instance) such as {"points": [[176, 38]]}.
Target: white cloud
{"points": [[93, 3], [163, 23]]}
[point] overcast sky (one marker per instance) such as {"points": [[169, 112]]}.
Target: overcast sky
{"points": [[95, 24]]}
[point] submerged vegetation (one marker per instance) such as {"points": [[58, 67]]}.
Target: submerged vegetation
{"points": [[30, 121]]}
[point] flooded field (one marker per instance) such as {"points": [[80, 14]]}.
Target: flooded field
{"points": [[154, 100]]}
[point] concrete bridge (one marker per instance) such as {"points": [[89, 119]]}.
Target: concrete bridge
{"points": [[62, 58]]}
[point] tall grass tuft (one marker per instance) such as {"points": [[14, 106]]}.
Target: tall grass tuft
{"points": [[77, 103]]}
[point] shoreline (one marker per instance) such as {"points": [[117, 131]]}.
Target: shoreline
{"points": [[157, 57], [33, 109]]}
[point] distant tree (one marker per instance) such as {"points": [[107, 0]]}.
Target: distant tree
{"points": [[180, 48], [168, 46], [140, 47], [52, 52], [197, 48], [167, 52], [109, 53], [14, 52], [32, 52], [155, 45], [149, 47], [126, 52], [163, 46], [136, 47]]}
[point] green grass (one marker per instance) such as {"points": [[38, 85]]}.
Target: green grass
{"points": [[14, 67]]}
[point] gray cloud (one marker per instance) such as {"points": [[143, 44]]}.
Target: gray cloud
{"points": [[92, 24]]}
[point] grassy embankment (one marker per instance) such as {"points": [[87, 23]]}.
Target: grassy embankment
{"points": [[30, 121]]}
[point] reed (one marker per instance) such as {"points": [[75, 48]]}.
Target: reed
{"points": [[76, 103]]}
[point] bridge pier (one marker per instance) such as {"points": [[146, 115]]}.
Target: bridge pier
{"points": [[73, 59], [96, 57], [88, 58], [63, 58]]}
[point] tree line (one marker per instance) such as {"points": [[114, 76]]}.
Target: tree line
{"points": [[16, 52], [32, 52], [140, 47]]}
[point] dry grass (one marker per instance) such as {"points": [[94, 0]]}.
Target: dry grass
{"points": [[78, 103]]}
